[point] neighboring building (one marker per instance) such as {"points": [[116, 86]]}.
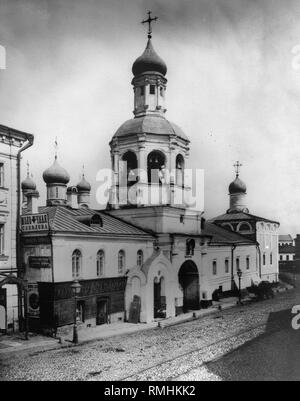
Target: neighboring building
{"points": [[154, 256], [286, 240], [12, 143], [263, 231], [287, 251]]}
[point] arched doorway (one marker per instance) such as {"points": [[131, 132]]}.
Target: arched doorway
{"points": [[159, 298], [189, 280]]}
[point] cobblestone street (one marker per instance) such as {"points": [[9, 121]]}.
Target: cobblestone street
{"points": [[181, 352]]}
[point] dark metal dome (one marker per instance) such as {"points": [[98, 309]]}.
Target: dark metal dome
{"points": [[149, 61], [28, 184], [56, 174], [83, 185], [237, 186]]}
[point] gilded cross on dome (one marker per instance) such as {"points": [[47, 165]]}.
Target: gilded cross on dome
{"points": [[149, 21], [237, 167]]}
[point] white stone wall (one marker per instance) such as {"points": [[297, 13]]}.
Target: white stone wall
{"points": [[267, 237], [63, 248], [141, 281]]}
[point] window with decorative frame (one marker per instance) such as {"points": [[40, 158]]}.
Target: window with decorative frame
{"points": [[140, 258], [76, 263], [214, 268], [100, 263], [226, 265], [121, 262]]}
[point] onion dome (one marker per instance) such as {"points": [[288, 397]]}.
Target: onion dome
{"points": [[56, 174], [149, 61], [237, 186], [83, 185], [28, 184]]}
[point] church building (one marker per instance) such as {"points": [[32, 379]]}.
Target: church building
{"points": [[150, 249]]}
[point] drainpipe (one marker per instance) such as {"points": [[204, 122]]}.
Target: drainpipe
{"points": [[232, 267], [259, 259], [30, 139]]}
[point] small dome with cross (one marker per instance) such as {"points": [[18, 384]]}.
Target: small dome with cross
{"points": [[149, 61]]}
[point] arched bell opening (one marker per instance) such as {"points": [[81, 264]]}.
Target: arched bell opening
{"points": [[130, 168], [156, 164], [180, 170]]}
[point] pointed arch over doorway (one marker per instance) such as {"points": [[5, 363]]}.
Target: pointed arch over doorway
{"points": [[188, 277]]}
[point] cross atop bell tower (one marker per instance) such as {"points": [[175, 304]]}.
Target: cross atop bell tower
{"points": [[149, 21], [237, 166]]}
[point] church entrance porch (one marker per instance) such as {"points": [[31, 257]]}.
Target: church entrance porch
{"points": [[188, 277]]}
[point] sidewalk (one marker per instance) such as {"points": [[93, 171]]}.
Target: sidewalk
{"points": [[17, 343]]}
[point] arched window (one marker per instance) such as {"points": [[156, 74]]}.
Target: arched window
{"points": [[129, 168], [214, 266], [244, 227], [100, 263], [264, 259], [155, 167], [140, 258], [248, 262], [121, 262], [226, 265], [237, 262], [271, 258], [179, 170], [190, 247], [76, 263]]}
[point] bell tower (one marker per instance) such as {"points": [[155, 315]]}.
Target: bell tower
{"points": [[149, 154]]}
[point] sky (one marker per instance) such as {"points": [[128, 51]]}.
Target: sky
{"points": [[233, 87]]}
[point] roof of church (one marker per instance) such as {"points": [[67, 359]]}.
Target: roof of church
{"points": [[241, 216], [66, 219], [150, 124], [222, 236]]}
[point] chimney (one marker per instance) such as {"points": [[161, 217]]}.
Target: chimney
{"points": [[72, 201], [32, 201]]}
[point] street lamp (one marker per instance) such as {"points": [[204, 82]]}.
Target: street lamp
{"points": [[76, 287], [240, 273]]}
